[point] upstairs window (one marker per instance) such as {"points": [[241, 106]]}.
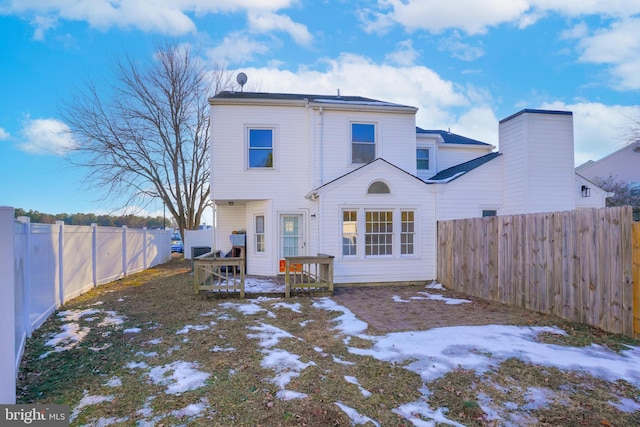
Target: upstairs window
{"points": [[260, 148], [422, 159], [363, 142]]}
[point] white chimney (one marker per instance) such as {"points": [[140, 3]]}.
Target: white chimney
{"points": [[538, 174]]}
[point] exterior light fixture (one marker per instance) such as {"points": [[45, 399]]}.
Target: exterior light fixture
{"points": [[586, 191]]}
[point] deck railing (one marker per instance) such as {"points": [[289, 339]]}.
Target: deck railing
{"points": [[308, 273], [220, 275]]}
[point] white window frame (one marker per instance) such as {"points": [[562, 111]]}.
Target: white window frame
{"points": [[350, 234], [411, 233], [377, 234], [260, 237], [248, 148], [351, 141]]}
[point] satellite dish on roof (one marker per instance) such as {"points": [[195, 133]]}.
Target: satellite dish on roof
{"points": [[242, 79]]}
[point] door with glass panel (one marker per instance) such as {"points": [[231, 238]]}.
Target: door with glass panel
{"points": [[291, 235]]}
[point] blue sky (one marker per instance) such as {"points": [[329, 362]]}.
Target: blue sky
{"points": [[466, 64]]}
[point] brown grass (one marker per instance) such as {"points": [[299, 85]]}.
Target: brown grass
{"points": [[239, 391]]}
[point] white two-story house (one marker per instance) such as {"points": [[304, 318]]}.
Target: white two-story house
{"points": [[355, 178]]}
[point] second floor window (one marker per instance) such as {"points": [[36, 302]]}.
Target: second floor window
{"points": [[422, 157], [260, 148], [363, 142]]}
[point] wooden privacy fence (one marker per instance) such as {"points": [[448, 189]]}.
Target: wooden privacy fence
{"points": [[578, 265]]}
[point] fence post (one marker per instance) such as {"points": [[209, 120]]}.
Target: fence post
{"points": [[124, 250], [60, 225], [7, 307], [145, 264], [26, 274], [94, 253]]}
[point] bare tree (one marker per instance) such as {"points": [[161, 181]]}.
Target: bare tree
{"points": [[148, 137], [624, 194]]}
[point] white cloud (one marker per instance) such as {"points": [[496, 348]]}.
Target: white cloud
{"points": [[404, 54], [46, 136], [598, 129], [617, 46], [237, 48], [441, 103], [4, 134], [470, 16], [162, 16], [476, 16], [264, 22], [459, 49]]}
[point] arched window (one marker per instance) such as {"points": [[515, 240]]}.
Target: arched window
{"points": [[378, 187]]}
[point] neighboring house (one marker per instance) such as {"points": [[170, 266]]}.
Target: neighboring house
{"points": [[355, 178], [621, 165]]}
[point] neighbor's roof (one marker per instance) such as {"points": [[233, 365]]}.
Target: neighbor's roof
{"points": [[454, 172], [450, 138], [299, 97]]}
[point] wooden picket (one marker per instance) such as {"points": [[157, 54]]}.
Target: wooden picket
{"points": [[581, 265]]}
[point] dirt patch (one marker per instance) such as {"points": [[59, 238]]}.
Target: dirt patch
{"points": [[403, 308]]}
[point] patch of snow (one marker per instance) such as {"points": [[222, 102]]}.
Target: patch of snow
{"points": [[342, 361], [178, 377], [354, 380], [262, 286], [86, 401], [295, 307], [411, 410], [72, 335], [75, 315], [448, 301], [114, 382], [218, 348], [150, 354], [305, 322], [102, 347], [355, 416], [268, 335], [246, 309], [132, 331], [136, 365], [187, 328], [397, 298], [625, 405], [435, 285], [286, 366], [154, 341], [112, 319], [348, 323]]}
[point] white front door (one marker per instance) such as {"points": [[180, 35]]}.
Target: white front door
{"points": [[291, 235]]}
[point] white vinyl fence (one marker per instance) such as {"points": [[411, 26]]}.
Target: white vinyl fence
{"points": [[42, 266]]}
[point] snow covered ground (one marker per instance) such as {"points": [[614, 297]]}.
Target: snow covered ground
{"points": [[430, 354]]}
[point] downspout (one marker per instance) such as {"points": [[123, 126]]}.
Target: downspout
{"points": [[321, 165]]}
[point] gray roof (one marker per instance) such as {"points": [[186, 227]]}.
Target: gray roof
{"points": [[450, 138], [454, 172], [333, 99]]}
